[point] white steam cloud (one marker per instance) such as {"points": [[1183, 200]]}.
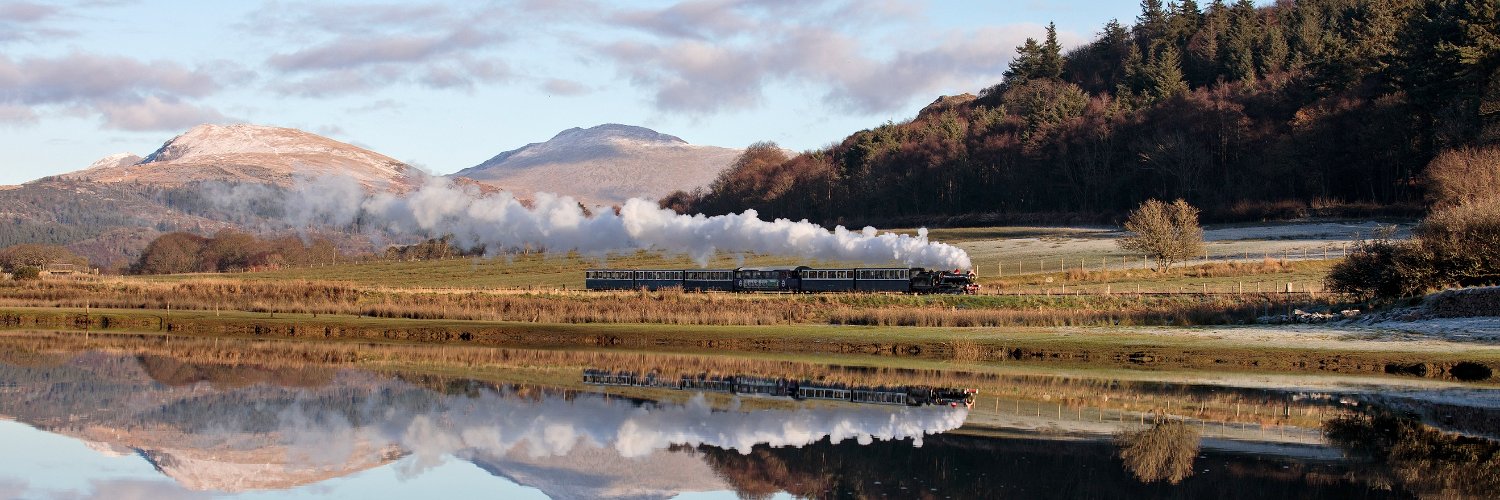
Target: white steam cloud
{"points": [[559, 224]]}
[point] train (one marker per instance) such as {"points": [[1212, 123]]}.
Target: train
{"points": [[798, 279], [801, 390]]}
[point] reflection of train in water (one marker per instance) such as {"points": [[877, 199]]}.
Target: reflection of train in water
{"points": [[788, 388], [800, 279]]}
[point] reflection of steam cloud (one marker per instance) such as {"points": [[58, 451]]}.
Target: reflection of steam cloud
{"points": [[557, 223], [493, 424]]}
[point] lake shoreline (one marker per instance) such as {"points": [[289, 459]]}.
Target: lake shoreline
{"points": [[1285, 349]]}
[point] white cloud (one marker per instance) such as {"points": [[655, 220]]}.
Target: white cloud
{"points": [[356, 49], [127, 93], [709, 56], [156, 113]]}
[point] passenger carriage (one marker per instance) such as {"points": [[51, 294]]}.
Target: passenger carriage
{"points": [[609, 279], [879, 395], [823, 391], [654, 280], [759, 385], [703, 382], [882, 280], [827, 280]]}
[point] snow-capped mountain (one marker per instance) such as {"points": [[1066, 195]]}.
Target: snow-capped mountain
{"points": [[606, 164], [253, 154]]}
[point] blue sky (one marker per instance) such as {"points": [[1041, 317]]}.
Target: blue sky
{"points": [[446, 85]]}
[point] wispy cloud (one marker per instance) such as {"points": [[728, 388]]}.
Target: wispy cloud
{"points": [[353, 49], [563, 87], [128, 94], [28, 21], [157, 113], [709, 56]]}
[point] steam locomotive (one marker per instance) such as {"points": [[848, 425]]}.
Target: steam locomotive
{"points": [[800, 279]]}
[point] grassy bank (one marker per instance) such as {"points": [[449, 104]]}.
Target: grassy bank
{"points": [[1128, 348], [664, 307]]}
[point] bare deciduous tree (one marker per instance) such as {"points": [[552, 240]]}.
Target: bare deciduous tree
{"points": [[1169, 233]]}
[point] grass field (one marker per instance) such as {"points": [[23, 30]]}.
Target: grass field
{"points": [[1008, 259]]}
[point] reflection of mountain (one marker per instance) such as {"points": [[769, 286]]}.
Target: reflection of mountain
{"points": [[220, 428], [243, 427], [588, 472]]}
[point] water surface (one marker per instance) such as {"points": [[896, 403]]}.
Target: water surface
{"points": [[145, 417]]}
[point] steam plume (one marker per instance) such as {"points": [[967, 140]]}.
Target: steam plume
{"points": [[559, 224]]}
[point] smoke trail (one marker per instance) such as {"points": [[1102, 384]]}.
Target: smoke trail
{"points": [[559, 224]]}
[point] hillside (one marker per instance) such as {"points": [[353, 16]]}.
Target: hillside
{"points": [[110, 210], [253, 154], [606, 164], [1331, 107]]}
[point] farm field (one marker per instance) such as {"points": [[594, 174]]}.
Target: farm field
{"points": [[1042, 260]]}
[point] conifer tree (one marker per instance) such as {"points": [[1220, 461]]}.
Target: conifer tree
{"points": [[1164, 77], [1184, 22], [1050, 62], [1274, 51], [1151, 25], [1025, 66], [1239, 49], [1202, 61]]}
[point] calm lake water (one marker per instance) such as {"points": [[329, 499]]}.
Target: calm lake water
{"points": [[140, 417]]}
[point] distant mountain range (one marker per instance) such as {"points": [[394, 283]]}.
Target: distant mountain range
{"points": [[111, 209], [607, 164]]}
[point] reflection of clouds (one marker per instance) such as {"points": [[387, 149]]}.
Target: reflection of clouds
{"points": [[495, 424], [118, 489], [11, 488]]}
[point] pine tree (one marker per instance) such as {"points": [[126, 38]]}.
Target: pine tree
{"points": [[1026, 65], [1050, 62], [1130, 88], [1164, 77], [1203, 59], [1239, 49], [1151, 25], [1274, 51], [1185, 21]]}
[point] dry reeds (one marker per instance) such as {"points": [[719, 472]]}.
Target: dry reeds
{"points": [[635, 307]]}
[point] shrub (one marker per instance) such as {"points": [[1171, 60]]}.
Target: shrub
{"points": [[1464, 242], [1383, 269], [38, 256], [1464, 175], [1455, 245], [28, 273]]}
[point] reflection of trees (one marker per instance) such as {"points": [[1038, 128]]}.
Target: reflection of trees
{"points": [[176, 372], [1425, 461], [1164, 452], [963, 466]]}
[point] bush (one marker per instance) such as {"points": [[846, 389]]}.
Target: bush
{"points": [[28, 273], [1464, 242], [1463, 176], [38, 256], [1458, 245], [1383, 269]]}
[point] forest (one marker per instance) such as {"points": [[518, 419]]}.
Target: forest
{"points": [[1315, 107]]}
